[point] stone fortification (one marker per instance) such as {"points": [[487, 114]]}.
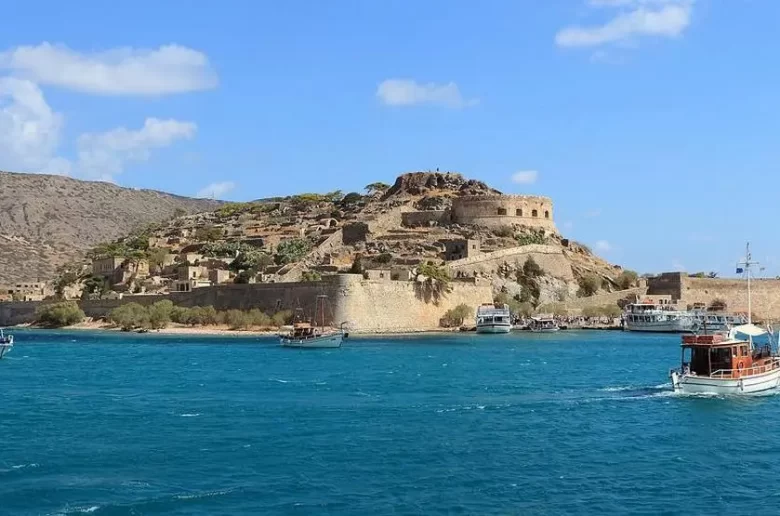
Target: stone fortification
{"points": [[367, 305], [687, 291], [504, 210], [550, 258]]}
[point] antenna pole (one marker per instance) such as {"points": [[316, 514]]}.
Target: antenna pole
{"points": [[748, 263]]}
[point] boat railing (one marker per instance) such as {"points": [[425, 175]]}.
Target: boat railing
{"points": [[766, 367]]}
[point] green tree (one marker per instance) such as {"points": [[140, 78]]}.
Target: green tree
{"points": [[208, 233], [282, 317], [434, 279], [376, 188], [589, 285], [130, 316], [160, 314], [259, 318], [292, 250], [237, 320], [455, 316], [94, 287], [531, 269], [627, 279], [351, 199], [156, 257], [57, 315]]}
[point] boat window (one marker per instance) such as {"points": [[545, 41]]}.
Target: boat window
{"points": [[700, 361], [743, 351]]}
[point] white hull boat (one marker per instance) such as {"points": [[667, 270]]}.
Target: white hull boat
{"points": [[493, 318], [326, 340], [748, 384], [6, 344], [494, 328], [543, 325]]}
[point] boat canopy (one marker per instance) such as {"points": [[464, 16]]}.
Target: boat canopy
{"points": [[751, 330]]}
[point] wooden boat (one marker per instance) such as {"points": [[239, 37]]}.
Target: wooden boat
{"points": [[494, 318], [543, 325], [721, 363], [306, 334], [6, 343]]}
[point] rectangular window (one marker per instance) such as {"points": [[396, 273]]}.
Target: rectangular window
{"points": [[518, 212], [502, 211]]}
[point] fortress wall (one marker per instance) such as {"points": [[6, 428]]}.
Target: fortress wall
{"points": [[765, 294], [667, 284], [400, 305], [551, 259], [503, 210]]}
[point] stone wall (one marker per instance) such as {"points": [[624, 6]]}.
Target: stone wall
{"points": [[667, 284], [413, 219], [503, 210], [608, 298], [550, 258], [401, 305], [366, 305]]}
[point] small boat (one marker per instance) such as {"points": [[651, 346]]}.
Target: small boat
{"points": [[494, 318], [725, 364], [306, 334], [651, 317], [543, 325], [6, 343]]}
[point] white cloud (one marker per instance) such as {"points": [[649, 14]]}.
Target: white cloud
{"points": [[121, 71], [216, 190], [603, 245], [525, 177], [104, 155], [408, 92], [29, 129], [643, 18]]}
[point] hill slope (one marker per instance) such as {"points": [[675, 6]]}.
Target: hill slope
{"points": [[48, 220]]}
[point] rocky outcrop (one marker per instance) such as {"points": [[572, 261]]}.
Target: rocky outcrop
{"points": [[423, 183]]}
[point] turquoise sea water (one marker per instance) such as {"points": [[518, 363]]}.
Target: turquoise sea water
{"points": [[572, 423]]}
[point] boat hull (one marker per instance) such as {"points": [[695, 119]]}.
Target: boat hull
{"points": [[333, 340], [5, 349], [678, 326], [692, 384], [494, 328], [544, 330]]}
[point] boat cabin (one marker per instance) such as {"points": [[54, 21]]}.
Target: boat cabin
{"points": [[303, 331], [721, 357]]}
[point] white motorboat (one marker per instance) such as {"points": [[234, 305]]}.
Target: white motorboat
{"points": [[728, 364], [651, 317], [6, 343], [543, 325], [494, 318], [311, 335]]}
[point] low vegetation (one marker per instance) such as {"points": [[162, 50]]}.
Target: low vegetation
{"points": [[589, 285], [602, 311], [133, 316], [627, 279], [58, 315], [454, 317]]}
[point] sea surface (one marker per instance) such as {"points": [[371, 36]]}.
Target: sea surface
{"points": [[571, 423]]}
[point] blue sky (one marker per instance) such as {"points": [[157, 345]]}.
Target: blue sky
{"points": [[653, 124]]}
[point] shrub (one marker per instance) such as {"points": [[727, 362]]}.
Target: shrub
{"points": [[627, 279], [531, 269], [602, 311], [589, 285], [258, 318], [384, 258], [282, 317], [160, 314], [717, 305], [311, 276], [504, 231], [455, 316], [237, 320], [130, 316], [208, 233], [291, 250], [57, 315]]}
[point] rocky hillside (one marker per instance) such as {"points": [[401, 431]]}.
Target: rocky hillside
{"points": [[46, 220]]}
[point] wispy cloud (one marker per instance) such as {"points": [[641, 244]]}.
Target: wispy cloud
{"points": [[104, 155], [525, 177], [603, 245], [635, 19], [121, 71], [216, 190], [408, 92], [677, 266]]}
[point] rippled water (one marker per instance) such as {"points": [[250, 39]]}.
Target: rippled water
{"points": [[574, 423]]}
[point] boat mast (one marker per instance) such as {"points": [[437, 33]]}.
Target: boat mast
{"points": [[747, 263]]}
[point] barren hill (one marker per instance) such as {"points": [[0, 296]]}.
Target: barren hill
{"points": [[48, 220]]}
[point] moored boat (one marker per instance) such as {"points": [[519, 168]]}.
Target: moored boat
{"points": [[651, 317], [494, 318], [543, 325], [306, 334], [6, 343]]}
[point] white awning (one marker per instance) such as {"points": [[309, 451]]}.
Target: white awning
{"points": [[750, 330]]}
